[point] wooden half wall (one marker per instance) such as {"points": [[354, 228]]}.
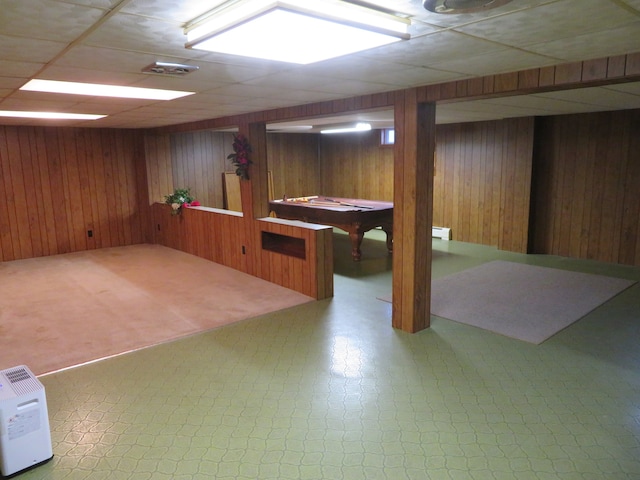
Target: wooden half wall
{"points": [[295, 255]]}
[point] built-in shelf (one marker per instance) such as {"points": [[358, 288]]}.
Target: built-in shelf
{"points": [[290, 246]]}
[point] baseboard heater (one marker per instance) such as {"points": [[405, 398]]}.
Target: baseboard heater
{"points": [[441, 232]]}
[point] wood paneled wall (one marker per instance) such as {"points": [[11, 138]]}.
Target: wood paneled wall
{"points": [[357, 166], [482, 182], [198, 162], [159, 170], [294, 163], [194, 160], [587, 186], [59, 183]]}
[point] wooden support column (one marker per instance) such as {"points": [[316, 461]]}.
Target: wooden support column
{"points": [[257, 136], [254, 195], [413, 211]]}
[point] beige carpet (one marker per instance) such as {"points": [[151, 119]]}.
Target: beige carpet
{"points": [[65, 310]]}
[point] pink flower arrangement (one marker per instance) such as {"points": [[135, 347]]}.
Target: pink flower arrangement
{"points": [[240, 156]]}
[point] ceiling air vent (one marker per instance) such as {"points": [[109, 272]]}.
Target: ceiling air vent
{"points": [[462, 6], [162, 68]]}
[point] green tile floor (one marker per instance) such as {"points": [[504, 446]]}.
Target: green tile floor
{"points": [[328, 390]]}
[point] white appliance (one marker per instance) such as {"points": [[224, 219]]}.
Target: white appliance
{"points": [[441, 232], [25, 438]]}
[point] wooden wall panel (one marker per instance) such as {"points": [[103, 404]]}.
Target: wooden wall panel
{"points": [[587, 178], [159, 169], [58, 183], [295, 165], [198, 161], [357, 166], [482, 182]]}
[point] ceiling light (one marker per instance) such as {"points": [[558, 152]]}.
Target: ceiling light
{"points": [[462, 6], [50, 115], [163, 68], [288, 128], [358, 127], [296, 31], [98, 90]]}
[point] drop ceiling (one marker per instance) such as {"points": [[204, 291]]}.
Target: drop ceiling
{"points": [[111, 41]]}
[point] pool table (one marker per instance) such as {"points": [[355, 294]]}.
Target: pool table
{"points": [[354, 216]]}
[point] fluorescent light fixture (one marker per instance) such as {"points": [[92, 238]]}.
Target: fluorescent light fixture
{"points": [[99, 90], [296, 31], [358, 127], [50, 115]]}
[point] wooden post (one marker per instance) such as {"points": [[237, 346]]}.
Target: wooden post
{"points": [[257, 136], [413, 212], [254, 195]]}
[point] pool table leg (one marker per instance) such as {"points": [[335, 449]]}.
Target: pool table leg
{"points": [[389, 232], [356, 241]]}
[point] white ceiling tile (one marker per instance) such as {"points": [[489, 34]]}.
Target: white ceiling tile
{"points": [[28, 102], [85, 75], [189, 83], [11, 83], [244, 91], [462, 116], [495, 62], [593, 45], [141, 34], [104, 60], [104, 4], [531, 104], [551, 22], [432, 49], [181, 11], [403, 76], [19, 69], [60, 22], [21, 49], [630, 88], [612, 99], [633, 4]]}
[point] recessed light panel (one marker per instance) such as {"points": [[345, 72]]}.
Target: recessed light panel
{"points": [[295, 31], [100, 90], [50, 115]]}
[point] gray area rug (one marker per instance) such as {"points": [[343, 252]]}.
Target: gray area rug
{"points": [[525, 302]]}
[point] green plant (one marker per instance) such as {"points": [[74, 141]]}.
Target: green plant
{"points": [[178, 199]]}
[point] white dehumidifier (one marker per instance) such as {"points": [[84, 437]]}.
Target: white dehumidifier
{"points": [[25, 438]]}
